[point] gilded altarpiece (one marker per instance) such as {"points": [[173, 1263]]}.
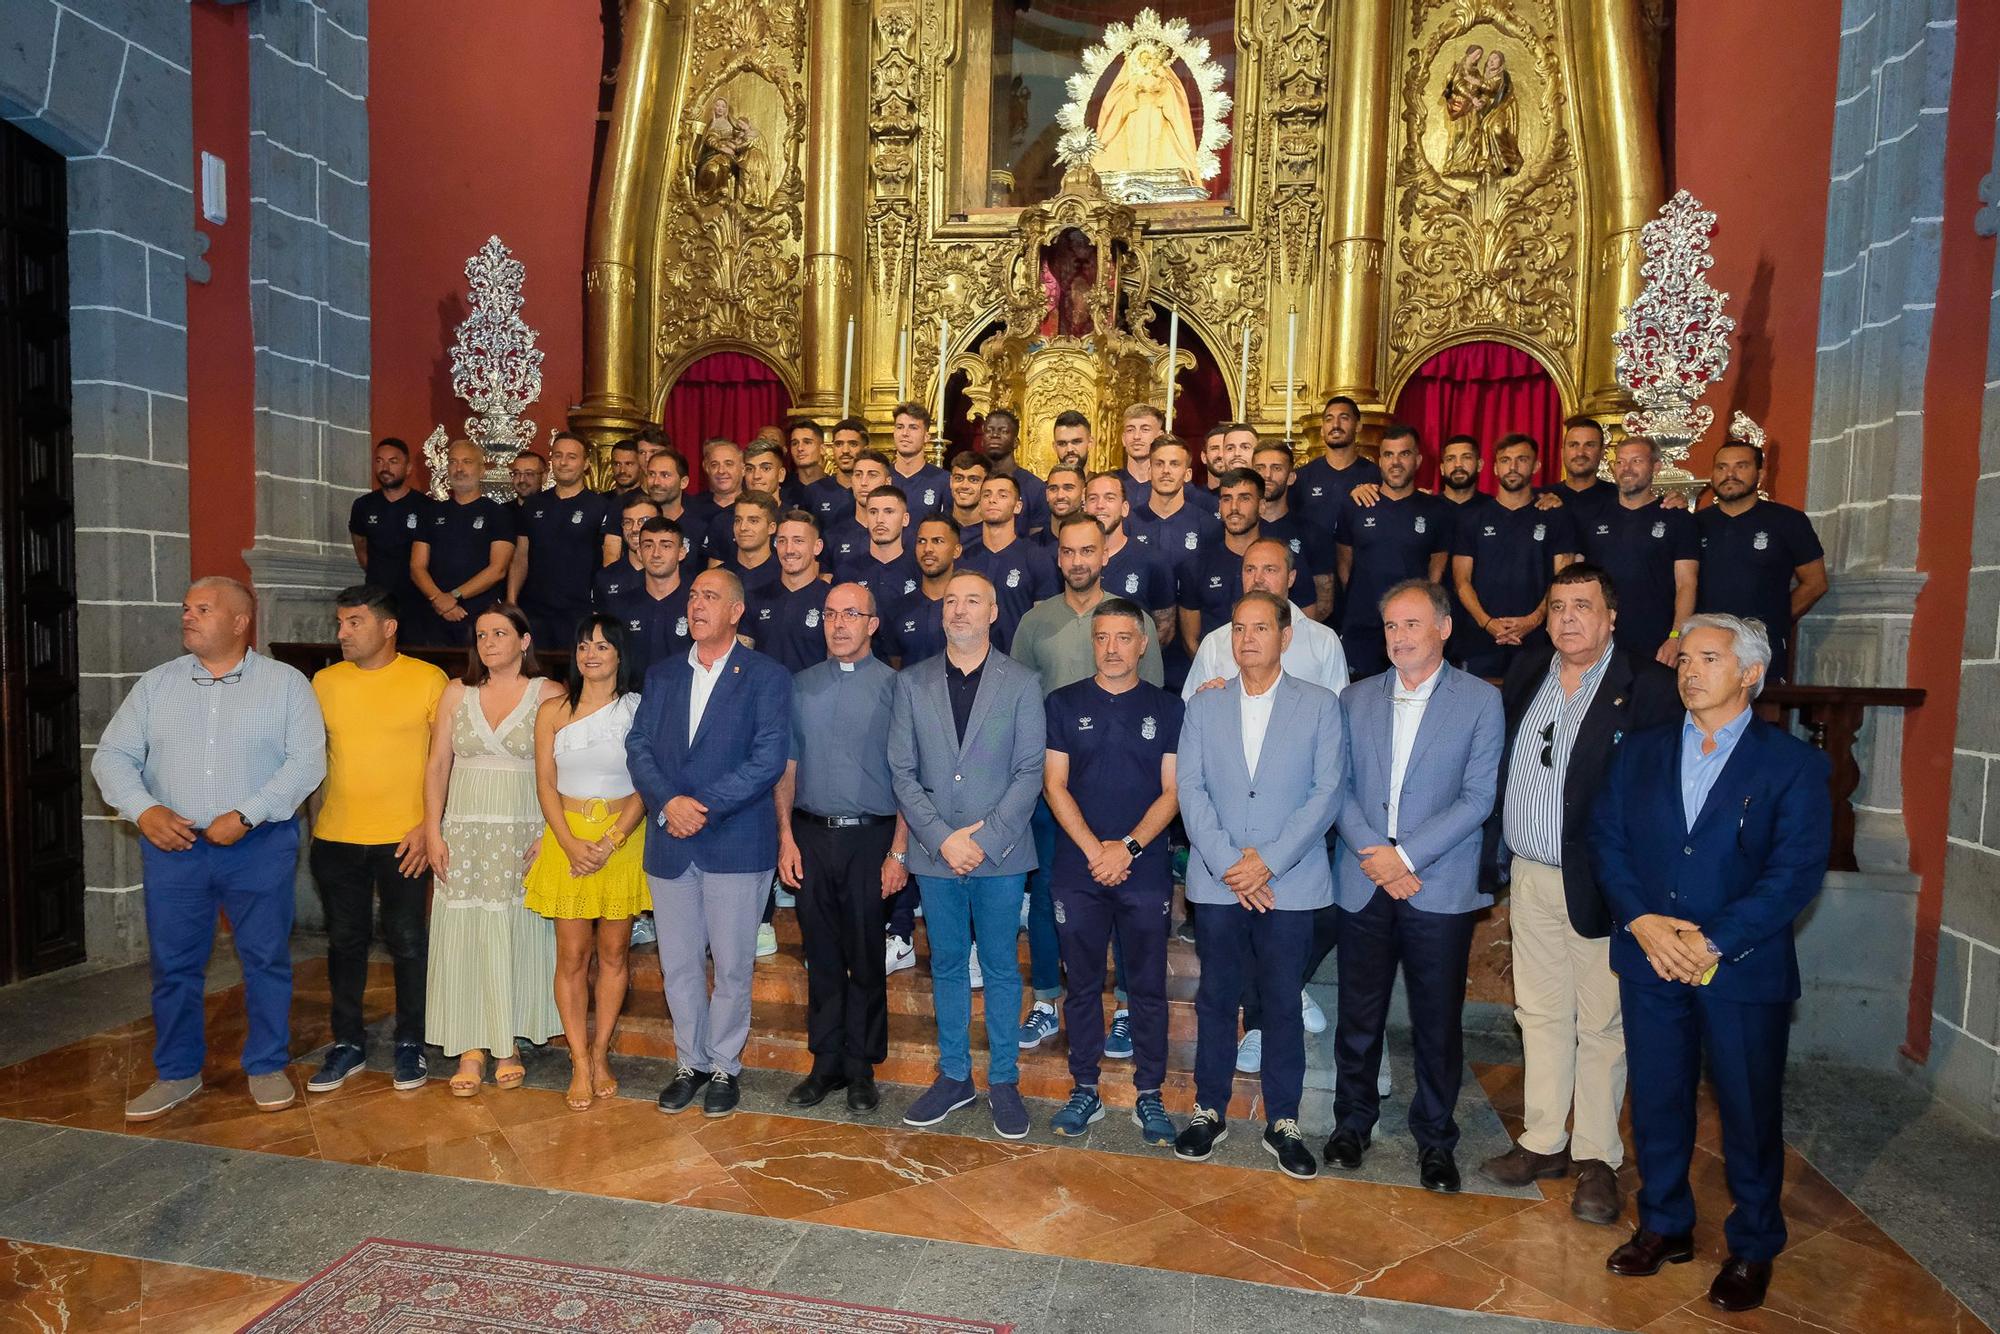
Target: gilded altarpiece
{"points": [[1405, 174]]}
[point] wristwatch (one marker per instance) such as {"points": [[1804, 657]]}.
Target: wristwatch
{"points": [[902, 858], [1132, 845], [1712, 949]]}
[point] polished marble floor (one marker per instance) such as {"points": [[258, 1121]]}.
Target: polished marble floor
{"points": [[1494, 1255]]}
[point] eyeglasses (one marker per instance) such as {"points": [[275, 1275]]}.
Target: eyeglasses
{"points": [[853, 614], [229, 679], [1549, 746]]}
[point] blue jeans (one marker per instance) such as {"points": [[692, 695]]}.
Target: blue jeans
{"points": [[955, 909], [251, 881]]}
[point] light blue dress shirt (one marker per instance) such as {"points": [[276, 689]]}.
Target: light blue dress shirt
{"points": [[251, 741], [1699, 771]]}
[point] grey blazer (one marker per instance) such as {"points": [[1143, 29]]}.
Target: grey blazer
{"points": [[1447, 789], [1283, 810], [996, 775]]}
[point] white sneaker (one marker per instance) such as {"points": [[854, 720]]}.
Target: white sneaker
{"points": [[1309, 1010], [1250, 1052], [900, 954], [767, 940], [785, 898], [978, 978], [1382, 1078], [643, 930]]}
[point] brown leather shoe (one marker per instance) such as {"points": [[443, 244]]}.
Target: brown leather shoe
{"points": [[1643, 1256], [1519, 1166], [1740, 1285], [1596, 1199]]}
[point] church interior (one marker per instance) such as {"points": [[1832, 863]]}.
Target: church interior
{"points": [[244, 241]]}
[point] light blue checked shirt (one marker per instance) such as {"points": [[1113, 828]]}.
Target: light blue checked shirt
{"points": [[255, 745], [1699, 771]]}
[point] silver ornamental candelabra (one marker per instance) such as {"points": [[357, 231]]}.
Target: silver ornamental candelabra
{"points": [[1675, 341], [495, 366]]}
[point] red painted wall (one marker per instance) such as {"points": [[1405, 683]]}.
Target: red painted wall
{"points": [[1768, 190], [481, 119], [222, 476], [1953, 393]]}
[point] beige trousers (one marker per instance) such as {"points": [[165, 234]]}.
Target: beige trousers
{"points": [[1572, 1036]]}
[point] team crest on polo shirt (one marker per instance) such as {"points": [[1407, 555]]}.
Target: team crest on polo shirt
{"points": [[1014, 577], [1294, 545], [1659, 529], [576, 517], [909, 587], [1541, 531], [480, 522], [1420, 524], [1192, 542], [1761, 541], [1083, 723], [413, 520], [681, 626], [1132, 583], [1149, 728], [930, 495], [812, 618]]}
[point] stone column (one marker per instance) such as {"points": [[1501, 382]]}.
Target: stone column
{"points": [[836, 194]]}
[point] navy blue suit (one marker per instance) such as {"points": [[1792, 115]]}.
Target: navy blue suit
{"points": [[732, 766], [1755, 857]]}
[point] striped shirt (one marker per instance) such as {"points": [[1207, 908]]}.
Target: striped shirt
{"points": [[1532, 819], [250, 741]]}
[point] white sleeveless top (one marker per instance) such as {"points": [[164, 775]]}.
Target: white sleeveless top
{"points": [[590, 753]]}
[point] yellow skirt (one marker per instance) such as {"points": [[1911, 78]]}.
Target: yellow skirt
{"points": [[618, 889]]}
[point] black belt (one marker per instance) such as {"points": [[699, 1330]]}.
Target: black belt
{"points": [[842, 821]]}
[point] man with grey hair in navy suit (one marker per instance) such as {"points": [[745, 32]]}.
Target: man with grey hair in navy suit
{"points": [[1424, 742]]}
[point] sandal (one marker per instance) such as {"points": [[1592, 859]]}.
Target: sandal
{"points": [[508, 1072], [466, 1082], [579, 1095], [605, 1084]]}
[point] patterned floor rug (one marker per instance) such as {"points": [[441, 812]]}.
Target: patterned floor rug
{"points": [[385, 1287]]}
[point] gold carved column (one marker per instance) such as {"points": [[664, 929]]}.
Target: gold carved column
{"points": [[618, 282], [1615, 101], [836, 195], [1357, 203]]}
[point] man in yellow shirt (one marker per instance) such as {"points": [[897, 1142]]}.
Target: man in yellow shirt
{"points": [[379, 706]]}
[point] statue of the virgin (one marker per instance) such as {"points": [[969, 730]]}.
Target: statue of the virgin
{"points": [[1145, 123]]}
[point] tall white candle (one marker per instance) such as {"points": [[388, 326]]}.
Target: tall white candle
{"points": [[1173, 356], [1243, 376], [847, 369], [944, 344], [903, 364], [1291, 365]]}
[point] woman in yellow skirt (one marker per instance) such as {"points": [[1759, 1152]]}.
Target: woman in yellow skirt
{"points": [[588, 874]]}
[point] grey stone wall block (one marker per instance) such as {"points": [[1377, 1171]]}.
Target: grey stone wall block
{"points": [[292, 387], [1964, 1075], [131, 349], [287, 253], [114, 921], [1972, 888], [128, 639], [347, 403], [170, 429], [344, 463], [114, 567], [153, 124], [1982, 996], [288, 26], [343, 59], [166, 287], [287, 324], [1979, 729], [110, 419], [27, 41], [287, 446], [346, 274], [343, 206], [107, 270], [88, 60], [343, 340], [111, 848], [344, 145], [129, 493], [171, 575], [284, 178], [99, 698], [1968, 797], [107, 193], [1954, 967], [1986, 529], [288, 510], [160, 29], [1982, 615]]}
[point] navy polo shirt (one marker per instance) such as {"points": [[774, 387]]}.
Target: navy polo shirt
{"points": [[1392, 540], [919, 634], [756, 579], [1587, 505], [1022, 575], [1142, 574], [784, 623], [1180, 537], [1115, 744], [928, 490], [1513, 555], [699, 516], [843, 541], [827, 500], [565, 550], [1638, 548], [895, 583], [461, 538], [1139, 495], [1306, 545], [1034, 502], [1213, 581], [615, 580], [1319, 496], [1747, 564], [655, 628], [389, 527]]}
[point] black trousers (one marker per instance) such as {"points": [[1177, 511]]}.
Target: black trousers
{"points": [[840, 925], [1433, 949], [350, 876]]}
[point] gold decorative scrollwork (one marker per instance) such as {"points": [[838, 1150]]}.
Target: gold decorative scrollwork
{"points": [[1488, 232]]}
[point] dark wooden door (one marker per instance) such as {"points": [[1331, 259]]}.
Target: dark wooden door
{"points": [[41, 774]]}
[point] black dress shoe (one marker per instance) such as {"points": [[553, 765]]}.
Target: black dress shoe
{"points": [[814, 1088], [1643, 1256], [721, 1097], [862, 1095], [1741, 1284], [687, 1082], [1283, 1141], [1437, 1170], [1596, 1199], [1344, 1149], [1205, 1130]]}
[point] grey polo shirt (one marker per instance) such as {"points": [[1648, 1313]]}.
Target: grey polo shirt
{"points": [[1054, 642], [840, 738]]}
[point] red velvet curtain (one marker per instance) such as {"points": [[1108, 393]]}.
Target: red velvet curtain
{"points": [[1484, 390], [730, 394]]}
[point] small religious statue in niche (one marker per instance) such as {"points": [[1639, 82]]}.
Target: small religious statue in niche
{"points": [[1069, 273], [1484, 138], [729, 162], [1146, 124]]}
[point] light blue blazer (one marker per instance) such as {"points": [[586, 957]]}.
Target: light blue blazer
{"points": [[1447, 789], [1283, 810], [994, 775]]}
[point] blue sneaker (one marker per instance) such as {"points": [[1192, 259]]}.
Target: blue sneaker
{"points": [[341, 1061], [1079, 1114], [1010, 1114], [1118, 1042], [938, 1101], [1042, 1022], [412, 1070], [1155, 1126]]}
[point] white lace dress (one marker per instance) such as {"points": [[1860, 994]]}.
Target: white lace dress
{"points": [[492, 962]]}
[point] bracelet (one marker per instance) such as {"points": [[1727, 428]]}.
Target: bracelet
{"points": [[616, 838]]}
